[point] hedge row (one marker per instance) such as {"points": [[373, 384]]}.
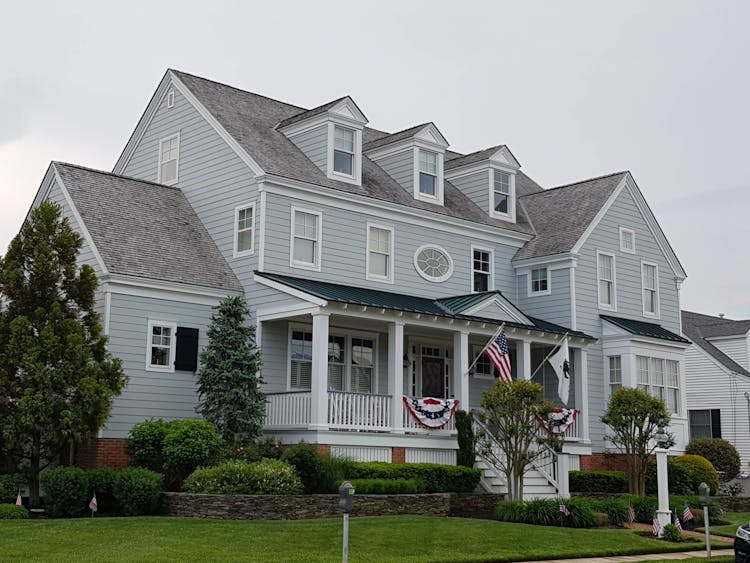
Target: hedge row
{"points": [[130, 492], [436, 478], [598, 481], [13, 512], [388, 486], [264, 477], [9, 486]]}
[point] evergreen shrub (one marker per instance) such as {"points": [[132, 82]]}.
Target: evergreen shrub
{"points": [[436, 478], [188, 444], [598, 481], [102, 483], [306, 461], [679, 476], [672, 533], [546, 512], [66, 491], [136, 491], [146, 444], [387, 486], [466, 441], [13, 512], [702, 472], [722, 455], [10, 485], [264, 477]]}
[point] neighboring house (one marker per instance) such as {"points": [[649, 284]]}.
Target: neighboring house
{"points": [[717, 372], [375, 265]]}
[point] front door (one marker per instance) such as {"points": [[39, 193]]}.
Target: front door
{"points": [[433, 378]]}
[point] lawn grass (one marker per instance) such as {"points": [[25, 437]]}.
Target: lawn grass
{"points": [[735, 519], [395, 538]]}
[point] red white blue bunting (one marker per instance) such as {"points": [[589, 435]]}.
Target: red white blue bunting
{"points": [[431, 412], [560, 419]]}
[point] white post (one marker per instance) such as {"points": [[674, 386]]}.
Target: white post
{"points": [[563, 467], [319, 384], [583, 375], [708, 534], [345, 552], [663, 513], [523, 351], [461, 369], [396, 374]]}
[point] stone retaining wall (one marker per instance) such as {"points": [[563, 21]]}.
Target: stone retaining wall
{"points": [[298, 507], [734, 504]]}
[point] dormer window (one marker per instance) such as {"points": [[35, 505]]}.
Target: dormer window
{"points": [[502, 191], [502, 194], [428, 172], [343, 151]]}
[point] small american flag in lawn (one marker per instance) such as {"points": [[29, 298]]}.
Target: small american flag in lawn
{"points": [[656, 525], [564, 509], [497, 352], [677, 522], [687, 514], [93, 504], [631, 513], [19, 502]]}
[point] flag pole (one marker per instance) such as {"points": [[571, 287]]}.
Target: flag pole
{"points": [[555, 349], [490, 341]]}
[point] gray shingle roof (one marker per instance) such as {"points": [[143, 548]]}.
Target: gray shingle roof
{"points": [[394, 137], [146, 230], [561, 215], [471, 158], [251, 120], [641, 328], [307, 114], [698, 327]]}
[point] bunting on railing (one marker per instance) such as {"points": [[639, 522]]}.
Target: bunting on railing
{"points": [[431, 412], [560, 419]]}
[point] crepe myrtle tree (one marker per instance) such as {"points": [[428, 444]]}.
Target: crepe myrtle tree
{"points": [[229, 377], [57, 380], [510, 435], [633, 417]]}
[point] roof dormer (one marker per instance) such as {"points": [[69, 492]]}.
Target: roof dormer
{"points": [[414, 158], [331, 137], [488, 177]]}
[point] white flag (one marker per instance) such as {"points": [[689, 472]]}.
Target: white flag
{"points": [[560, 363]]}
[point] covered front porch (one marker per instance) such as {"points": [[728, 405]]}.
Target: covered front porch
{"points": [[345, 365]]}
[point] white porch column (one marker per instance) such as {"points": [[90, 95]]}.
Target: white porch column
{"points": [[319, 385], [523, 352], [461, 369], [563, 479], [582, 392], [396, 374], [663, 513]]}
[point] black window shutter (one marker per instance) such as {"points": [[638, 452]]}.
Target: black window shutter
{"points": [[716, 423], [186, 355]]}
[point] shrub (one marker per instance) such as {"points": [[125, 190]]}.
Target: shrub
{"points": [[702, 472], [13, 512], [333, 470], [436, 478], [466, 443], [136, 491], [598, 481], [646, 506], [722, 455], [616, 509], [730, 489], [306, 462], [546, 512], [146, 444], [672, 533], [387, 486], [188, 444], [65, 491], [264, 477], [679, 476], [9, 486], [264, 447], [102, 483]]}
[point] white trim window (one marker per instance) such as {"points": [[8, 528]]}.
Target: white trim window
{"points": [[244, 227], [660, 378], [161, 346], [483, 368], [344, 150], [380, 245], [502, 195], [650, 280], [306, 238], [433, 263], [300, 360], [615, 373], [605, 267], [539, 281], [481, 269], [428, 173], [169, 160], [170, 99], [627, 240]]}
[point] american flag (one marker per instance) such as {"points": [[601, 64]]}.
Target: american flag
{"points": [[677, 522], [564, 509], [631, 513], [497, 352], [19, 502], [687, 514], [656, 525], [93, 504]]}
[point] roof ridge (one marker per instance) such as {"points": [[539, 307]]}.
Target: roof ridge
{"points": [[547, 190], [419, 125], [112, 174]]}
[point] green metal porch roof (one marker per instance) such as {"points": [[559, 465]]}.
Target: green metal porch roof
{"points": [[446, 308], [640, 328]]}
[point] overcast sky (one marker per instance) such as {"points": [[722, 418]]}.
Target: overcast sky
{"points": [[575, 89]]}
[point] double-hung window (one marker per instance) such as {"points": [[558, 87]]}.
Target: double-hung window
{"points": [[379, 253], [650, 275], [336, 362], [300, 360], [705, 423], [481, 270], [660, 378], [343, 150], [606, 275], [244, 222], [539, 280], [306, 235], [615, 374], [483, 368], [627, 240], [162, 340], [501, 191], [428, 173], [169, 155]]}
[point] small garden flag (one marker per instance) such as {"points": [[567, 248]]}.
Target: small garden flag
{"points": [[93, 505], [19, 502], [564, 509], [656, 525], [677, 522], [687, 514], [631, 513]]}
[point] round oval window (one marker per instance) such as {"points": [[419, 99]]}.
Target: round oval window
{"points": [[433, 263]]}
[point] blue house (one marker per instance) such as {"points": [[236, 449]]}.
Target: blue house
{"points": [[377, 265]]}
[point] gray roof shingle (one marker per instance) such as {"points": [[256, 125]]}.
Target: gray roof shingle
{"points": [[698, 327], [394, 137], [146, 230], [307, 114], [561, 215]]}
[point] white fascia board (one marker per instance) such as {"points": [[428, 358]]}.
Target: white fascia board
{"points": [[317, 301], [738, 336], [390, 149], [159, 289], [504, 157], [318, 121], [284, 313], [600, 215], [348, 109], [554, 262], [633, 340], [431, 135], [385, 210], [84, 231], [512, 311], [44, 189]]}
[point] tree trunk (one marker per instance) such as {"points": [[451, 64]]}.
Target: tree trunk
{"points": [[34, 474]]}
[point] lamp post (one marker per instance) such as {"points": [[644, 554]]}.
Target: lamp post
{"points": [[663, 514]]}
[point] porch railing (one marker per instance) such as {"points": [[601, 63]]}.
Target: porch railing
{"points": [[571, 433], [359, 411], [288, 410]]}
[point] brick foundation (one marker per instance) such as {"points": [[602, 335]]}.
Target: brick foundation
{"points": [[324, 449], [398, 455], [604, 462], [103, 452]]}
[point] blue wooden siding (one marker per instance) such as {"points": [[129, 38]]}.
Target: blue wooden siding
{"points": [[400, 167], [476, 187], [314, 143], [554, 307]]}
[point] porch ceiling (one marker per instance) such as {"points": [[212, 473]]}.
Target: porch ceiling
{"points": [[406, 303]]}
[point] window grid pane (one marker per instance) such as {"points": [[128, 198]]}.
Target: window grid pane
{"points": [[539, 279], [305, 237]]}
